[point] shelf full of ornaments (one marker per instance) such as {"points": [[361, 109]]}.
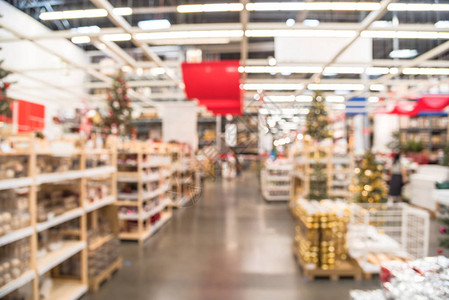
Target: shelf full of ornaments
{"points": [[275, 179], [144, 184], [48, 188]]}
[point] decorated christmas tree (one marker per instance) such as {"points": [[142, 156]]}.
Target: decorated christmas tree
{"points": [[5, 107], [118, 120], [369, 185], [316, 121]]}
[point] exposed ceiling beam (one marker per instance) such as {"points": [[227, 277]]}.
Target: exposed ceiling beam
{"points": [[366, 23], [126, 27]]}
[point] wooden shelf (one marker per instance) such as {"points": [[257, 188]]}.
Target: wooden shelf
{"points": [[15, 183], [100, 242], [65, 289], [52, 259], [17, 283], [126, 203], [153, 228], [99, 204], [72, 214], [58, 177], [99, 171], [16, 235], [146, 215]]}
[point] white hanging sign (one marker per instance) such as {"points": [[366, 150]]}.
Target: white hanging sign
{"points": [[231, 135]]}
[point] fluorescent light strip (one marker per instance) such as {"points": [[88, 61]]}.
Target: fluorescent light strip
{"points": [[118, 37], [296, 6], [188, 34], [83, 13], [83, 39], [300, 33], [417, 7], [272, 86], [386, 34], [218, 7], [336, 87], [315, 69], [425, 71]]}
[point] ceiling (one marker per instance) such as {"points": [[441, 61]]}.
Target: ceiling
{"points": [[152, 58]]}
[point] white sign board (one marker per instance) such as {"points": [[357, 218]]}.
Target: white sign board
{"points": [[321, 50], [231, 135]]}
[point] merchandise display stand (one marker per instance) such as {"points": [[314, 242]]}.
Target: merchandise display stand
{"points": [[275, 180], [144, 185], [54, 243], [381, 232]]}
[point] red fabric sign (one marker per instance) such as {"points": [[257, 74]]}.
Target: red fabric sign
{"points": [[427, 103], [215, 84]]}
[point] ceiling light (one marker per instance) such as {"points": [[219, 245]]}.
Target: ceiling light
{"points": [[417, 7], [272, 61], [377, 87], [191, 41], [157, 71], [373, 99], [386, 34], [188, 34], [217, 7], [300, 33], [100, 46], [83, 39], [118, 37], [154, 24], [403, 53], [289, 6], [377, 70], [290, 22], [304, 98], [336, 86], [126, 69], [73, 14], [339, 106], [394, 71], [290, 98], [382, 24], [442, 24], [311, 22], [122, 11], [425, 71], [86, 29], [344, 70], [272, 86], [282, 69], [334, 98]]}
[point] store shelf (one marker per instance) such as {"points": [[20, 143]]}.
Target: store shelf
{"points": [[126, 203], [99, 171], [15, 235], [99, 204], [58, 177], [134, 177], [15, 183], [278, 178], [65, 289], [72, 214], [280, 198], [17, 283], [276, 188], [100, 242], [148, 214], [151, 230], [52, 259], [128, 196]]}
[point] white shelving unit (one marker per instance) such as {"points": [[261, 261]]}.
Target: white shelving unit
{"points": [[275, 180]]}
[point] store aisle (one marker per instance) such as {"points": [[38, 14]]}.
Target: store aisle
{"points": [[231, 245]]}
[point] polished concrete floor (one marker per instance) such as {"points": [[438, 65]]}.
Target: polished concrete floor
{"points": [[231, 245]]}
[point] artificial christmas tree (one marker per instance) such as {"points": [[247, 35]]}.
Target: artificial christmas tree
{"points": [[444, 230], [316, 121], [118, 120], [369, 186], [317, 128]]}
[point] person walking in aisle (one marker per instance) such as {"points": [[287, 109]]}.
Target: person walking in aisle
{"points": [[398, 177]]}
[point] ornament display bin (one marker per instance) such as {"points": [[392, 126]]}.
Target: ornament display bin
{"points": [[320, 241], [380, 232]]}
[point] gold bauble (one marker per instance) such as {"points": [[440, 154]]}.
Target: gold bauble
{"points": [[357, 170], [368, 173]]}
